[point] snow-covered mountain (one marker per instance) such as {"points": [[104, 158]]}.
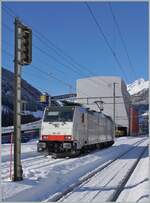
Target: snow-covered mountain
{"points": [[29, 94], [139, 91], [137, 86]]}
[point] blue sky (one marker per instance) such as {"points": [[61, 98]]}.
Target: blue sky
{"points": [[70, 27]]}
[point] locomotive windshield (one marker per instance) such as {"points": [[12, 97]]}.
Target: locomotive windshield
{"points": [[58, 115]]}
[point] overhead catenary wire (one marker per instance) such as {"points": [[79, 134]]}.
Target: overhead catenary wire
{"points": [[36, 67], [11, 44], [106, 40], [50, 75], [59, 80], [68, 67], [105, 103], [56, 49], [41, 36], [76, 69], [48, 55], [8, 10], [66, 56], [67, 84], [122, 39], [38, 48], [56, 60], [109, 97], [4, 66]]}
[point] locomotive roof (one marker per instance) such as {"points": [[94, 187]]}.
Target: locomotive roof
{"points": [[69, 107], [59, 107], [100, 113]]}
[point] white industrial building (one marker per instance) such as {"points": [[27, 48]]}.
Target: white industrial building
{"points": [[101, 89]]}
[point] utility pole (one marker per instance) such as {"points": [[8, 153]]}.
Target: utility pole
{"points": [[129, 133], [114, 108], [23, 56], [131, 119], [17, 105]]}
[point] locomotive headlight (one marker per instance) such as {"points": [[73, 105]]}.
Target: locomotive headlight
{"points": [[45, 137], [68, 137]]}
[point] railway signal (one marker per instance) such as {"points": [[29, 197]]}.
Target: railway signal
{"points": [[23, 56], [26, 45], [45, 98]]}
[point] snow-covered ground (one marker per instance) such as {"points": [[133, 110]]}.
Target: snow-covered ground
{"points": [[45, 178], [137, 188], [104, 184], [137, 86], [28, 150]]}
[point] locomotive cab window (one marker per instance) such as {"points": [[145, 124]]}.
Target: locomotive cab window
{"points": [[58, 115]]}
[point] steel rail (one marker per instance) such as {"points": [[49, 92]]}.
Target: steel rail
{"points": [[83, 179], [125, 180]]}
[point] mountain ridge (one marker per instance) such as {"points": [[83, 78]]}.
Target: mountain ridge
{"points": [[139, 91], [138, 86], [28, 93]]}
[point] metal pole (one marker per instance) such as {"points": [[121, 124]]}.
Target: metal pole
{"points": [[131, 119], [10, 168], [49, 101], [17, 104], [114, 95]]}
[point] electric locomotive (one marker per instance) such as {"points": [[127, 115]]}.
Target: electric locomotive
{"points": [[68, 130]]}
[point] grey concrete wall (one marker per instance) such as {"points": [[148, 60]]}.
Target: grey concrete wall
{"points": [[103, 87]]}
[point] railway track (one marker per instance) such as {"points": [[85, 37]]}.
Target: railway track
{"points": [[34, 163], [25, 162], [123, 183], [70, 190], [6, 163]]}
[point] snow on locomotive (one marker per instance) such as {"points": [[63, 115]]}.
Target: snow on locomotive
{"points": [[69, 130]]}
